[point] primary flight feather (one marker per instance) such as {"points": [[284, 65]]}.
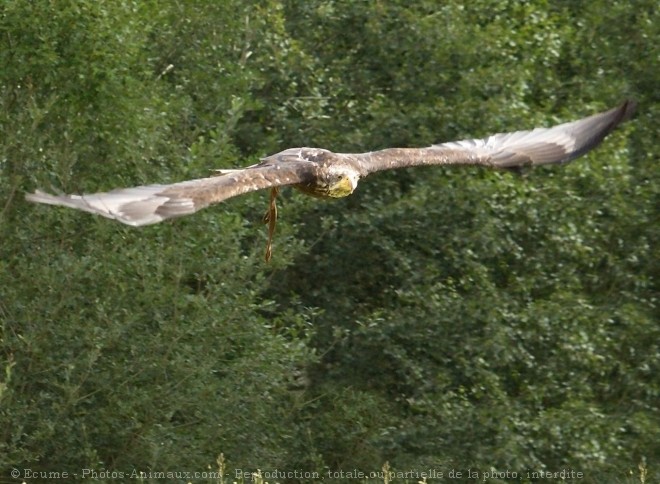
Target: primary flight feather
{"points": [[325, 174]]}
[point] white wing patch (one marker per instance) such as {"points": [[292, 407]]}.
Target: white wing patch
{"points": [[133, 206], [540, 145]]}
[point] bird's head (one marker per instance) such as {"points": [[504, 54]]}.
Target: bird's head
{"points": [[342, 180], [335, 176]]}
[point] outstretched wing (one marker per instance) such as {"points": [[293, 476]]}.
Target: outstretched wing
{"points": [[153, 203], [539, 146]]}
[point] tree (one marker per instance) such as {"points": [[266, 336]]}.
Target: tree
{"points": [[437, 318]]}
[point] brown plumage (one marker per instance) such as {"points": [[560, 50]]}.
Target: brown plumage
{"points": [[325, 174]]}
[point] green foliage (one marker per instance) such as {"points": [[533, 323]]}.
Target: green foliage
{"points": [[439, 318]]}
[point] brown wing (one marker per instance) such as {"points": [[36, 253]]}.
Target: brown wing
{"points": [[150, 204], [539, 146]]}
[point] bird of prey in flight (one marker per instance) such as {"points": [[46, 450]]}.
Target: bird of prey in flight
{"points": [[324, 174]]}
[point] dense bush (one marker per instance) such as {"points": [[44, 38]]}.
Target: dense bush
{"points": [[437, 319]]}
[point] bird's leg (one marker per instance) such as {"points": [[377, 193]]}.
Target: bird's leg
{"points": [[271, 219]]}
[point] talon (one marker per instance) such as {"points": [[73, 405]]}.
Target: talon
{"points": [[271, 219]]}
